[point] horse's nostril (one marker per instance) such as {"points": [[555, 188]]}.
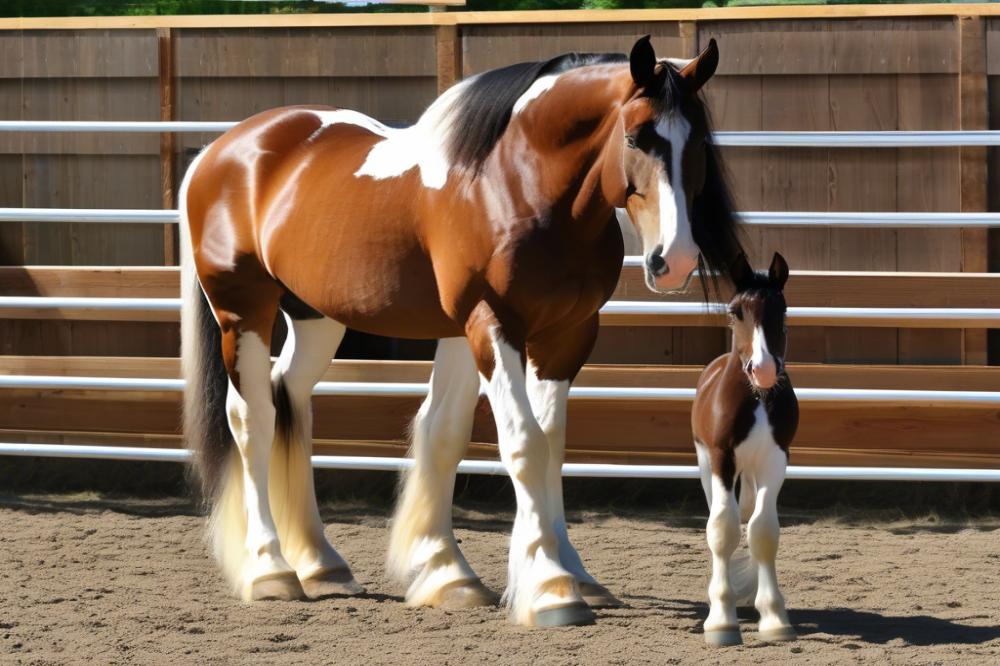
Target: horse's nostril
{"points": [[656, 264]]}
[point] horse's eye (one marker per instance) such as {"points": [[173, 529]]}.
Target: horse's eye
{"points": [[630, 190], [630, 141], [737, 312]]}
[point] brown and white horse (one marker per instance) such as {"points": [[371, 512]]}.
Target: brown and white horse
{"points": [[489, 224], [744, 418]]}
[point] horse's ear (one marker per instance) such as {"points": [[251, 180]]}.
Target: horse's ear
{"points": [[642, 61], [741, 273], [778, 272], [698, 71]]}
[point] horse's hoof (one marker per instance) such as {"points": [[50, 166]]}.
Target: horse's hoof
{"points": [[575, 614], [331, 582], [282, 586], [467, 594], [777, 635], [723, 637], [598, 596]]}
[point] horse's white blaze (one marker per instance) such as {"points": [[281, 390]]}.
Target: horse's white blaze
{"points": [[304, 358], [422, 542], [535, 90], [759, 351], [676, 237], [548, 403], [536, 579], [251, 420]]}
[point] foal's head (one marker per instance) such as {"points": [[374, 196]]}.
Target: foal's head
{"points": [[670, 164], [757, 317]]}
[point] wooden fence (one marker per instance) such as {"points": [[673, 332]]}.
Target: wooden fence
{"points": [[918, 67]]}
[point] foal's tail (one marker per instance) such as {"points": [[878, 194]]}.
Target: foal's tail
{"points": [[206, 428]]}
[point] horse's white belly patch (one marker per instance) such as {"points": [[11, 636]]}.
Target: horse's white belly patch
{"points": [[758, 443]]}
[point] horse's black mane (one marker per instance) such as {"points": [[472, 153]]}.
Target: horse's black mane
{"points": [[715, 227], [483, 111]]}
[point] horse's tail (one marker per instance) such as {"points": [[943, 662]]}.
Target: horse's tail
{"points": [[206, 425]]}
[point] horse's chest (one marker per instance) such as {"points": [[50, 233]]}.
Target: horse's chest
{"points": [[755, 441]]}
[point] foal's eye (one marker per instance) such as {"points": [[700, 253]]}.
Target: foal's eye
{"points": [[737, 312]]}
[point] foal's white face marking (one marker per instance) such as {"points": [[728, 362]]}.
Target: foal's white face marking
{"points": [[763, 364]]}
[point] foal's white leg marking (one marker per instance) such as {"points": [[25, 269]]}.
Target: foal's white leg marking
{"points": [[537, 580], [305, 356], [548, 403], [422, 541], [704, 469], [723, 530], [251, 420], [535, 90], [762, 535]]}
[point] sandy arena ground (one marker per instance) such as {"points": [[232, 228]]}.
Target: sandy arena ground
{"points": [[84, 580]]}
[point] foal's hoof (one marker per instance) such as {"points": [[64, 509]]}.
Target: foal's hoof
{"points": [[467, 594], [777, 635], [282, 586], [331, 582], [598, 596], [564, 616], [723, 637]]}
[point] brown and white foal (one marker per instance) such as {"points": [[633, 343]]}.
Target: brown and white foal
{"points": [[744, 418]]}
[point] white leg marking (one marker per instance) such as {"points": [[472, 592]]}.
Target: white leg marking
{"points": [[548, 403], [762, 535], [251, 419], [536, 579], [305, 356], [704, 469], [422, 544], [723, 532]]}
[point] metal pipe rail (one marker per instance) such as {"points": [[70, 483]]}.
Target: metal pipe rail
{"points": [[889, 139], [586, 470], [915, 398], [644, 312], [753, 218]]}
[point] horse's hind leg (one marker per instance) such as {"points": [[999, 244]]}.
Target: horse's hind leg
{"points": [[762, 535], [246, 338], [422, 545], [723, 530], [311, 344]]}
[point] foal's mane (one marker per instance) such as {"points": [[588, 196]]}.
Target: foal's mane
{"points": [[482, 111]]}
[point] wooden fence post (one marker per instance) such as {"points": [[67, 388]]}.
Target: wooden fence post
{"points": [[165, 46], [974, 116], [449, 56]]}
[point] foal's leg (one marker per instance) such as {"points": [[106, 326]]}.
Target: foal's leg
{"points": [[305, 356], [422, 543], [722, 627], [265, 574], [540, 591], [762, 534], [551, 366]]}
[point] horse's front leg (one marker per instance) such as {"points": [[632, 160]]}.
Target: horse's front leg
{"points": [[540, 591], [552, 365]]}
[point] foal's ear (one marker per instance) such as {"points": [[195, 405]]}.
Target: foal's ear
{"points": [[778, 272], [698, 71], [741, 272], [642, 62]]}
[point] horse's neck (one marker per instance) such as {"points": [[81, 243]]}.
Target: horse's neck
{"points": [[568, 128]]}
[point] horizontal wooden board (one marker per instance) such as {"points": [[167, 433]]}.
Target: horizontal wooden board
{"points": [[55, 53], [281, 52], [806, 288], [813, 375], [469, 18]]}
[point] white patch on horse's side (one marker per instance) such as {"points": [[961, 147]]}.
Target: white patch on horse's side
{"points": [[537, 89], [675, 226], [759, 346], [423, 145]]}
